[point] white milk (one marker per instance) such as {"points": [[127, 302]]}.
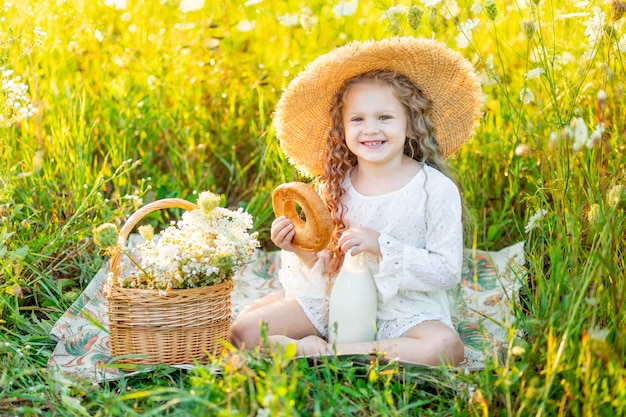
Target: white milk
{"points": [[353, 303]]}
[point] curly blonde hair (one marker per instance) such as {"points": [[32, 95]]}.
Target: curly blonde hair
{"points": [[421, 144]]}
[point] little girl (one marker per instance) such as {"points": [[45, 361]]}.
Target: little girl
{"points": [[389, 111]]}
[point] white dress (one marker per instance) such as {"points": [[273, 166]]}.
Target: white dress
{"points": [[421, 241]]}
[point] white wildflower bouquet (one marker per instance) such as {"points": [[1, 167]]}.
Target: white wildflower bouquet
{"points": [[206, 247]]}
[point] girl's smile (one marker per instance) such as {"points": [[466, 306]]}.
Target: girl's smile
{"points": [[373, 143]]}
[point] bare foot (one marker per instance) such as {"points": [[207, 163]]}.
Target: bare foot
{"points": [[278, 340], [314, 345], [307, 346]]}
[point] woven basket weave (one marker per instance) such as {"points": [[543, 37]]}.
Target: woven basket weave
{"points": [[180, 328]]}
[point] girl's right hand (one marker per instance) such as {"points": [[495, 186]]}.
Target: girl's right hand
{"points": [[282, 233]]}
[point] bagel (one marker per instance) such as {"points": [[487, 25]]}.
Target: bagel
{"points": [[313, 233]]}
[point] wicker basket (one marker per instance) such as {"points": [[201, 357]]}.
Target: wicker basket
{"points": [[180, 328]]}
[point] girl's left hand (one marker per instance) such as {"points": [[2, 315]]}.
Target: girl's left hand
{"points": [[360, 239]]}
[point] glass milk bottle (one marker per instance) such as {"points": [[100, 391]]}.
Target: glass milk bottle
{"points": [[353, 303]]}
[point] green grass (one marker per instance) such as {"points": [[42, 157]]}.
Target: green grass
{"points": [[150, 102]]}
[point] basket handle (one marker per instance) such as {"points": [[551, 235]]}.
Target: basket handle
{"points": [[136, 217]]}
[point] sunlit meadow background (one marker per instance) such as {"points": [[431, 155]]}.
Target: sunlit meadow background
{"points": [[109, 104]]}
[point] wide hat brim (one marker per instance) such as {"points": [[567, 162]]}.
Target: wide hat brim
{"points": [[446, 78]]}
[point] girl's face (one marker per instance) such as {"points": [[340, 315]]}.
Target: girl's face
{"points": [[375, 123]]}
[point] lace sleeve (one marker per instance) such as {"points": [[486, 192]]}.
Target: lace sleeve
{"points": [[301, 281], [437, 265]]}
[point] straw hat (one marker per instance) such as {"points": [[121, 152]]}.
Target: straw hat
{"points": [[302, 118]]}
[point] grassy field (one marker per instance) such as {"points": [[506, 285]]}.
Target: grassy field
{"points": [[109, 104]]}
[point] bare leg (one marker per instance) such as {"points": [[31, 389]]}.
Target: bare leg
{"points": [[260, 302], [427, 343], [283, 316]]}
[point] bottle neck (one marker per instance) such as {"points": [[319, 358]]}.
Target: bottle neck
{"points": [[354, 263]]}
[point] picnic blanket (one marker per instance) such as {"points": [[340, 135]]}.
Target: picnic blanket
{"points": [[481, 307]]}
